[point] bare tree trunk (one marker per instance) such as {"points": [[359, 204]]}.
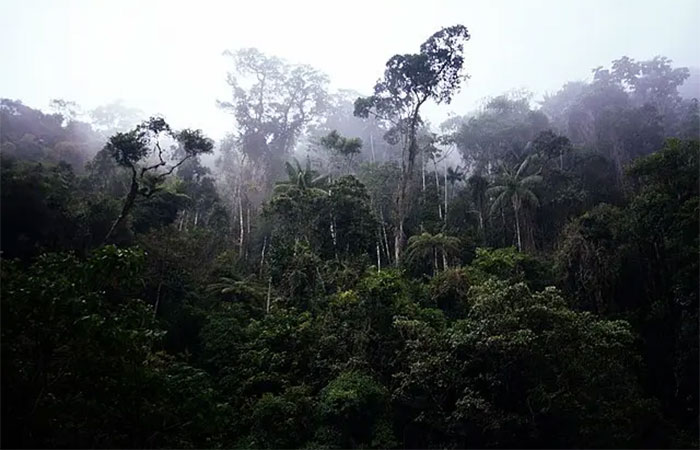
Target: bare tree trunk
{"points": [[269, 291], [437, 188], [445, 180], [516, 209], [505, 230], [248, 228], [182, 220], [333, 235], [444, 260], [422, 169], [155, 308], [371, 144], [196, 218], [262, 255], [240, 224], [386, 238], [379, 258], [404, 183], [126, 208], [398, 239]]}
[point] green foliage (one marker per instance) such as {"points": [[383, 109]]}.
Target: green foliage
{"points": [[591, 256], [76, 338], [432, 247], [513, 266], [449, 291], [38, 212], [345, 146], [520, 370], [282, 421], [239, 313], [353, 411]]}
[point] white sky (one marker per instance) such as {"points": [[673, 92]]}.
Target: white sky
{"points": [[166, 56]]}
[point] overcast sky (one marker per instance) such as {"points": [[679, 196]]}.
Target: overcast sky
{"points": [[166, 56]]}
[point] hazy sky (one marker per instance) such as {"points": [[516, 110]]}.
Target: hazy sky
{"points": [[166, 56]]}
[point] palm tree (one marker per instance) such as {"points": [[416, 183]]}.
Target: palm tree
{"points": [[426, 245], [516, 187], [302, 178], [454, 175], [306, 181], [237, 290]]}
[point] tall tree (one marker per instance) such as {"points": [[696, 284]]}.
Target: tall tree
{"points": [[409, 81], [272, 103], [501, 131], [434, 246], [516, 187], [140, 150], [346, 148]]}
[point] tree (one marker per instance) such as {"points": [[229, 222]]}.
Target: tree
{"points": [[409, 81], [520, 370], [501, 131], [626, 111], [69, 110], [551, 145], [302, 178], [78, 362], [347, 148], [353, 410], [273, 103], [115, 117], [279, 101], [30, 134], [516, 187], [134, 149], [338, 115], [478, 186], [425, 245]]}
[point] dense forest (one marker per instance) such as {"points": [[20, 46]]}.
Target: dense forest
{"points": [[338, 272]]}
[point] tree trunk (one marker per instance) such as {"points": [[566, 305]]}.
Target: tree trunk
{"points": [[422, 170], [262, 255], [435, 261], [516, 209], [406, 177], [398, 242], [126, 208], [155, 308], [445, 180], [182, 220], [385, 240], [241, 233], [437, 188], [379, 258], [334, 236], [269, 291]]}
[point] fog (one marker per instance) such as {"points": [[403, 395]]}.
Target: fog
{"points": [[167, 57], [369, 224]]}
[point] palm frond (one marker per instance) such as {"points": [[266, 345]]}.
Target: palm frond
{"points": [[498, 202], [530, 198], [531, 180]]}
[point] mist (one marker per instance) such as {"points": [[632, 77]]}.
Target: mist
{"points": [[167, 57], [350, 225]]}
